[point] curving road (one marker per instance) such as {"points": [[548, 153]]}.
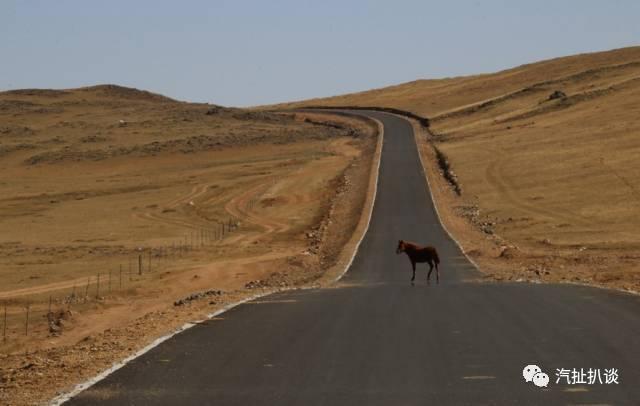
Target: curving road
{"points": [[376, 340]]}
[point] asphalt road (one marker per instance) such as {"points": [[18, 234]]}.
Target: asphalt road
{"points": [[376, 340]]}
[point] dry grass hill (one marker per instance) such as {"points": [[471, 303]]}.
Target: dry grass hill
{"points": [[125, 214], [546, 156]]}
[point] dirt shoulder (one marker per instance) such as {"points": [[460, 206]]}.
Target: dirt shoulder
{"points": [[269, 251]]}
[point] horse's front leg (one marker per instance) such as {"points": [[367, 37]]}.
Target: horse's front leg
{"points": [[429, 274], [437, 274], [413, 265]]}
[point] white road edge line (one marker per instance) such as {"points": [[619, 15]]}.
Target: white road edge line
{"points": [[425, 172], [373, 198], [64, 397], [60, 399], [426, 175]]}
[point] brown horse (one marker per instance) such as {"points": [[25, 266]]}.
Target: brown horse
{"points": [[419, 254]]}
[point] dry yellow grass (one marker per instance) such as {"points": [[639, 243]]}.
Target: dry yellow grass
{"points": [[81, 192], [556, 177], [91, 177]]}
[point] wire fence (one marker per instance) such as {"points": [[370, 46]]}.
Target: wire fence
{"points": [[47, 312]]}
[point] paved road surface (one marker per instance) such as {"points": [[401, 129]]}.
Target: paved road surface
{"points": [[376, 340]]}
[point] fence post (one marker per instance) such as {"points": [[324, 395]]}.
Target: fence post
{"points": [[26, 323], [86, 290], [139, 264], [4, 328]]}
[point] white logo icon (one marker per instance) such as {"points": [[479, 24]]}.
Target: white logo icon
{"points": [[529, 371], [541, 380]]}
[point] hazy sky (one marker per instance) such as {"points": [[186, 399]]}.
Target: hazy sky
{"points": [[255, 52]]}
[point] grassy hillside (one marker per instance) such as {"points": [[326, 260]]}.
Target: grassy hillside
{"points": [[433, 97], [92, 178], [124, 214], [547, 152]]}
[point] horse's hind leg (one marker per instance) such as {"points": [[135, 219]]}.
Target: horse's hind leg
{"points": [[437, 274], [430, 270]]}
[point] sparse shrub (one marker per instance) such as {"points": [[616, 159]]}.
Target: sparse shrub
{"points": [[557, 94]]}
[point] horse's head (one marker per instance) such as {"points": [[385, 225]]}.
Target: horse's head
{"points": [[401, 247]]}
